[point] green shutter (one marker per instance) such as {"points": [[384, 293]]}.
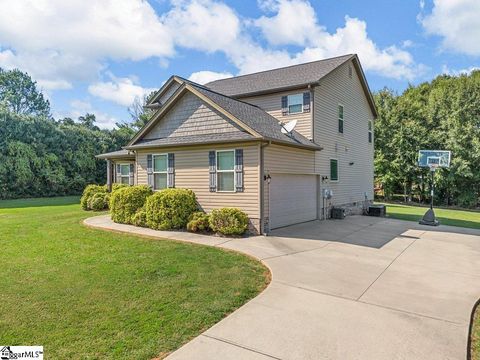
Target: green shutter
{"points": [[333, 170]]}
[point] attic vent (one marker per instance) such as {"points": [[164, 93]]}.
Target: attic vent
{"points": [[350, 71]]}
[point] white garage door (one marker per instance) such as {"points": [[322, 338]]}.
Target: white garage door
{"points": [[292, 199]]}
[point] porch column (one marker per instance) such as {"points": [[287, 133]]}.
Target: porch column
{"points": [[109, 175]]}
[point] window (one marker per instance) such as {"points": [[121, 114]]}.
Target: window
{"points": [[124, 174], [340, 119], [333, 170], [160, 171], [370, 134], [226, 170], [295, 103]]}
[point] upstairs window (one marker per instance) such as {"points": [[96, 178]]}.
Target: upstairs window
{"points": [[295, 103], [340, 119], [159, 172], [370, 131]]}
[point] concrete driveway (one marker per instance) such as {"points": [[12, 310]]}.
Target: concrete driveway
{"points": [[359, 288]]}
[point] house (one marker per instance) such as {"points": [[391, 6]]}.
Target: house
{"points": [[229, 142]]}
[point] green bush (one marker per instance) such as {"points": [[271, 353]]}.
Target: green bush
{"points": [[117, 186], [198, 221], [140, 217], [170, 209], [125, 202], [229, 221], [98, 202], [88, 193]]}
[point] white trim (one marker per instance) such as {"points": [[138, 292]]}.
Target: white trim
{"points": [[330, 170], [122, 176], [159, 172], [288, 105], [225, 171]]}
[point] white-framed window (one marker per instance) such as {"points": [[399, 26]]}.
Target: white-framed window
{"points": [[370, 131], [340, 119], [225, 170], [333, 170], [160, 177], [124, 174], [295, 103]]}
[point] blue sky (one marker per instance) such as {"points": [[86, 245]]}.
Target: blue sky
{"points": [[99, 55]]}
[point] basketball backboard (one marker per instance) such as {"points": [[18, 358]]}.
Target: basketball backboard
{"points": [[434, 158]]}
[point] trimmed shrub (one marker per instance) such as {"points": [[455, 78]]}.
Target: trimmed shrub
{"points": [[199, 221], [170, 209], [125, 201], [98, 202], [117, 186], [140, 217], [88, 193], [229, 221]]}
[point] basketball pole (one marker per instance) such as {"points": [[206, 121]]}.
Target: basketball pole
{"points": [[429, 217]]}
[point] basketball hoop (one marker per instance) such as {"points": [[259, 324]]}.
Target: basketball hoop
{"points": [[433, 167]]}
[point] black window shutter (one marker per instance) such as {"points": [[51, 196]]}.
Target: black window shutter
{"points": [[171, 170], [306, 102], [131, 175], [239, 170], [284, 105], [150, 170], [212, 166]]}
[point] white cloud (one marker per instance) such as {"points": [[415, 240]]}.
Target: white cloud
{"points": [[455, 72], [203, 25], [59, 41], [122, 91], [294, 22], [457, 22], [80, 108], [390, 61], [203, 77]]}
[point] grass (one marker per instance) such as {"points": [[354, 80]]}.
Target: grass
{"points": [[475, 335], [90, 294], [462, 218]]}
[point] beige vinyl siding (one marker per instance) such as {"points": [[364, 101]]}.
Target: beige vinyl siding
{"points": [[272, 104], [191, 116], [192, 172], [279, 159], [169, 92], [350, 147]]}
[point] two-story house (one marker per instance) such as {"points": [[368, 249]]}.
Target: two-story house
{"points": [[231, 141]]}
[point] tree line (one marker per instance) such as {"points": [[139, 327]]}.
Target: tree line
{"points": [[43, 156], [442, 114]]}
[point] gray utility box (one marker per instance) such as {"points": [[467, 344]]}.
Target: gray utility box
{"points": [[338, 213], [377, 210]]}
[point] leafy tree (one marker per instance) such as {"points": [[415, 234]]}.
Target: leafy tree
{"points": [[19, 93]]}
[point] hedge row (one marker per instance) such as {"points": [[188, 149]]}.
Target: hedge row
{"points": [[97, 197]]}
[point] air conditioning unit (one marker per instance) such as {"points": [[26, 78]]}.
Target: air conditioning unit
{"points": [[337, 213], [377, 210]]}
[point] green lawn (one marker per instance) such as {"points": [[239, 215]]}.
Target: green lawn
{"points": [[90, 294], [463, 218], [475, 345]]}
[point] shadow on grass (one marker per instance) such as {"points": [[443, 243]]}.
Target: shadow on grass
{"points": [[39, 202]]}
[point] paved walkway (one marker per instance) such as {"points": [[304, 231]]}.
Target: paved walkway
{"points": [[359, 288]]}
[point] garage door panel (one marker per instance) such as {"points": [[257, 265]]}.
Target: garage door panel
{"points": [[292, 199]]}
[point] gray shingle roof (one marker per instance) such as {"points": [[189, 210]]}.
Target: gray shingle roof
{"points": [[116, 154], [283, 78], [193, 139], [256, 119]]}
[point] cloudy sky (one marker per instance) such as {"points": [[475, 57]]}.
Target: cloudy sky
{"points": [[98, 55]]}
